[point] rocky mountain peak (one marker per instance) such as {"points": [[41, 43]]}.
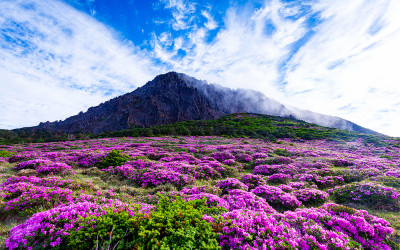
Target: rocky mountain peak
{"points": [[174, 97]]}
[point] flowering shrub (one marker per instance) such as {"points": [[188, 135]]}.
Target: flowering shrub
{"points": [[278, 199], [55, 181], [33, 164], [257, 156], [126, 171], [321, 182], [346, 223], [153, 178], [54, 168], [311, 197], [222, 156], [286, 188], [21, 157], [394, 173], [388, 181], [202, 189], [279, 178], [357, 174], [248, 229], [50, 228], [368, 193], [252, 181], [24, 197], [231, 184], [341, 163], [278, 160], [87, 160], [240, 199], [155, 169], [244, 158], [212, 200], [297, 185], [267, 169]]}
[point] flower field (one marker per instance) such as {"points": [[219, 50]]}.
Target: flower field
{"points": [[200, 192]]}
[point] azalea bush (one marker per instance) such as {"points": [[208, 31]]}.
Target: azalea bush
{"points": [[277, 198], [252, 181], [230, 184], [371, 194], [311, 197]]}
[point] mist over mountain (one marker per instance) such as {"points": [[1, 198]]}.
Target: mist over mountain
{"points": [[175, 97]]}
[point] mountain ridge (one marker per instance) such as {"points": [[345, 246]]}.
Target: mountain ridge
{"points": [[175, 97]]}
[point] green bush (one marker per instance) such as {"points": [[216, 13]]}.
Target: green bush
{"points": [[282, 152], [389, 181], [180, 225], [113, 230], [230, 172], [175, 224], [114, 158], [5, 154], [370, 194]]}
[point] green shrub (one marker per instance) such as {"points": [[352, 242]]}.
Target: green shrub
{"points": [[180, 225], [282, 152], [370, 194], [386, 157], [230, 172], [114, 158], [5, 154], [389, 181], [116, 229], [175, 224]]}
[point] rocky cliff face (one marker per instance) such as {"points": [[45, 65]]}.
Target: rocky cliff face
{"points": [[166, 99], [175, 97]]}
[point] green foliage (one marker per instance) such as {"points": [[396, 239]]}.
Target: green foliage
{"points": [[114, 158], [250, 125], [282, 152], [179, 225], [116, 229], [235, 125], [389, 181], [5, 154], [370, 194], [230, 172], [175, 224], [386, 157]]}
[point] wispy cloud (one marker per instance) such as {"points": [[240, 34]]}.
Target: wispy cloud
{"points": [[182, 12], [351, 61], [316, 55], [56, 61], [243, 53]]}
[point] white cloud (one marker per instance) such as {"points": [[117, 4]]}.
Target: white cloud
{"points": [[211, 23], [182, 13], [56, 61], [348, 68], [242, 54], [351, 62]]}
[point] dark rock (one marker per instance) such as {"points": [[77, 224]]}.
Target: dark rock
{"points": [[175, 97]]}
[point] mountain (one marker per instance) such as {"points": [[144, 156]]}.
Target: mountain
{"points": [[175, 97]]}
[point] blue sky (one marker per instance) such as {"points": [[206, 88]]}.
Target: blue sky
{"points": [[340, 57]]}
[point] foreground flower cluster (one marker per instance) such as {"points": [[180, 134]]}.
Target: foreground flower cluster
{"points": [[220, 193]]}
